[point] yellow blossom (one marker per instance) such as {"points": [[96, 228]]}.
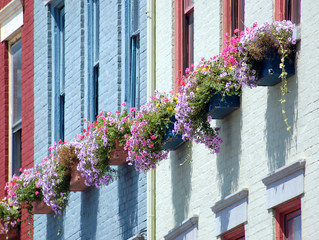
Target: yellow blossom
{"points": [[204, 69], [170, 109], [230, 68], [175, 99], [197, 89], [157, 105]]}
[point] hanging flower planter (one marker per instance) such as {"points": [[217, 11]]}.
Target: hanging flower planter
{"points": [[270, 71], [118, 155], [77, 181], [172, 141], [41, 207], [219, 108]]}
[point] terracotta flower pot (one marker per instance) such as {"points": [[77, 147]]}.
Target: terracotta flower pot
{"points": [[41, 208], [12, 234], [118, 155], [77, 181]]}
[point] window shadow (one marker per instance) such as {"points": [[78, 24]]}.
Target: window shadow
{"points": [[278, 139], [128, 200], [228, 160], [55, 228], [181, 174], [89, 212]]}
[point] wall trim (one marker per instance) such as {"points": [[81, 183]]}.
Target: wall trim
{"points": [[181, 228], [230, 200], [11, 19], [283, 172]]}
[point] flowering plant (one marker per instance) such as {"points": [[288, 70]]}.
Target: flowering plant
{"points": [[93, 148], [26, 188], [259, 41], [10, 215], [147, 131], [55, 179], [223, 74]]}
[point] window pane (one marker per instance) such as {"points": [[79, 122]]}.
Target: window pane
{"points": [[16, 82], [135, 9], [16, 152], [293, 225]]}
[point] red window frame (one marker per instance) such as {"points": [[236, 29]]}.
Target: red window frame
{"points": [[233, 16], [287, 9], [236, 234], [283, 213], [184, 38]]}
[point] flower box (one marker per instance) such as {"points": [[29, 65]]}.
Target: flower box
{"points": [[218, 108], [172, 141], [12, 234], [118, 155], [41, 207], [269, 70], [77, 181]]}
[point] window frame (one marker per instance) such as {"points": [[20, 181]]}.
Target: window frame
{"points": [[93, 38], [184, 38], [280, 216], [229, 13], [234, 234], [58, 15], [132, 73], [281, 11], [17, 126]]}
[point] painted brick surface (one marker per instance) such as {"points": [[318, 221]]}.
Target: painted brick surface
{"points": [[255, 139], [117, 211]]}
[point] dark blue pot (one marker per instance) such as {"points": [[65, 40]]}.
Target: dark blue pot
{"points": [[218, 108], [269, 70], [172, 141]]}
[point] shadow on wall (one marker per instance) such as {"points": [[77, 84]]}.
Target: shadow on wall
{"points": [[181, 181], [128, 202], [54, 227], [229, 157], [89, 211], [278, 139]]}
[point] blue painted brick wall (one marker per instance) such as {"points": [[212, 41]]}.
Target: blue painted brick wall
{"points": [[117, 211]]}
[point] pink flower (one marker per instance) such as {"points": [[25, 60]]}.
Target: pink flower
{"points": [[20, 170], [36, 193], [123, 104]]}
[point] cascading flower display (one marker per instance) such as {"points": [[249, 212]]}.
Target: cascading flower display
{"points": [[147, 132], [55, 180], [93, 148]]}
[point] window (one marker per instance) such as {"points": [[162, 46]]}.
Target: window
{"points": [[15, 119], [133, 55], [184, 38], [59, 68], [93, 57], [233, 16], [288, 220], [288, 9], [236, 234]]}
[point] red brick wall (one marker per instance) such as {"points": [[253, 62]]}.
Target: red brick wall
{"points": [[27, 93], [3, 3]]}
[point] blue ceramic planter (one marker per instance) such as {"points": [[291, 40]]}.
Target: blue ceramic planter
{"points": [[218, 108], [172, 141], [269, 70]]}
